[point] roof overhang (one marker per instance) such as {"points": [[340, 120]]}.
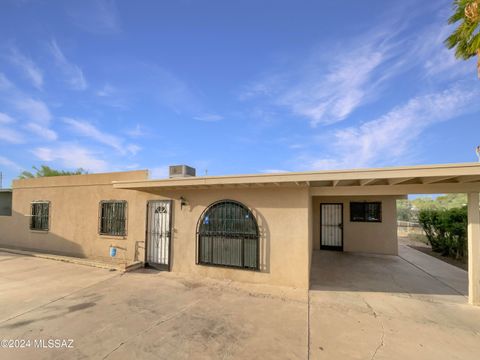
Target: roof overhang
{"points": [[446, 178]]}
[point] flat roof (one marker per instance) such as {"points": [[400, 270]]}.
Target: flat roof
{"points": [[463, 173]]}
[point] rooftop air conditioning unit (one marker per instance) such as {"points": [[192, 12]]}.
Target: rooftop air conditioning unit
{"points": [[178, 171]]}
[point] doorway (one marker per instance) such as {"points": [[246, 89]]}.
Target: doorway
{"points": [[331, 227], [159, 222]]}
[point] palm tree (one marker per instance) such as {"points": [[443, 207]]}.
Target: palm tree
{"points": [[45, 171], [466, 37]]}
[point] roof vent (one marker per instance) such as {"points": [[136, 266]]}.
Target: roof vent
{"points": [[178, 171]]}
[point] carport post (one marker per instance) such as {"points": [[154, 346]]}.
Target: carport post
{"points": [[473, 248]]}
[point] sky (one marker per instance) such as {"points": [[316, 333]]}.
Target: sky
{"points": [[232, 87]]}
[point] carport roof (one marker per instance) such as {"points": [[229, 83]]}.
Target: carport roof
{"points": [[464, 177]]}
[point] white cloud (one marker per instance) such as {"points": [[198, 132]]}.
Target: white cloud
{"points": [[9, 163], [30, 69], [72, 156], [209, 117], [36, 110], [4, 82], [136, 132], [84, 128], [11, 136], [133, 149], [391, 137], [331, 84], [74, 75], [35, 114], [38, 117], [437, 59], [42, 131], [106, 91], [5, 118]]}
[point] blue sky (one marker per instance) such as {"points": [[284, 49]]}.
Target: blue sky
{"points": [[232, 87]]}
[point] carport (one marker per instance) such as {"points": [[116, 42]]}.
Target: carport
{"points": [[402, 181], [299, 197]]}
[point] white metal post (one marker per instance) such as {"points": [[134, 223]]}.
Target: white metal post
{"points": [[473, 248]]}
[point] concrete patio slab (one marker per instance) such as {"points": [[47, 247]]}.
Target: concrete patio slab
{"points": [[449, 275], [360, 307], [148, 315], [383, 307]]}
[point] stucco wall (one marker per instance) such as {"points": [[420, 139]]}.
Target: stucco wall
{"points": [[74, 208], [370, 237], [282, 215]]}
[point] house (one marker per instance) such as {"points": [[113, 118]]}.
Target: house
{"points": [[258, 228]]}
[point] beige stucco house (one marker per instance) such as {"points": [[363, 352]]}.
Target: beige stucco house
{"points": [[254, 228]]}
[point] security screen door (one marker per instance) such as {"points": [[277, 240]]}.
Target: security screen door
{"points": [[158, 233], [331, 226]]}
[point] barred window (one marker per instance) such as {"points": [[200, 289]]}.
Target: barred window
{"points": [[39, 212], [228, 236], [113, 218], [366, 211]]}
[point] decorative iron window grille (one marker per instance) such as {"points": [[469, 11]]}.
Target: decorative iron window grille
{"points": [[113, 218], [39, 215], [228, 236], [366, 211]]}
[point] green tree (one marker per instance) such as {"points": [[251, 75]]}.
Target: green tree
{"points": [[466, 37], [44, 171]]}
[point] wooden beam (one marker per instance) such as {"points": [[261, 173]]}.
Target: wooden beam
{"points": [[399, 181], [467, 179], [335, 183], [436, 180], [367, 181], [400, 189]]}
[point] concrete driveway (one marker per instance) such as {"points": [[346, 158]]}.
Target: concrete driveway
{"points": [[388, 307], [144, 315], [361, 307]]}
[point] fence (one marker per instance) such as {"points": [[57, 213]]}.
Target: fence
{"points": [[406, 228]]}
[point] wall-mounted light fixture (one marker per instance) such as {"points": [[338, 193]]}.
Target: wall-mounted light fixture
{"points": [[183, 202]]}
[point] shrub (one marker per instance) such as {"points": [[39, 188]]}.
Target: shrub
{"points": [[446, 230]]}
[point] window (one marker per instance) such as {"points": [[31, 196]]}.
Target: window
{"points": [[113, 218], [366, 211], [39, 211], [228, 236]]}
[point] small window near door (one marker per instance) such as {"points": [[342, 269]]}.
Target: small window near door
{"points": [[366, 211], [113, 218], [39, 214]]}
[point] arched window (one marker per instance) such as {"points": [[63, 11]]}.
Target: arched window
{"points": [[228, 236]]}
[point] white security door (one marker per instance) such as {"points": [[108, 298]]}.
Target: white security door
{"points": [[158, 233], [331, 226]]}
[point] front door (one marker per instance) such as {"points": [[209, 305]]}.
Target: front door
{"points": [[331, 226], [158, 233]]}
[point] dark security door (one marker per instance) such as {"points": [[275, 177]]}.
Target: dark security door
{"points": [[331, 226], [158, 233]]}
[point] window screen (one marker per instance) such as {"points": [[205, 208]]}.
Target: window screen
{"points": [[366, 211], [113, 218], [39, 212]]}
